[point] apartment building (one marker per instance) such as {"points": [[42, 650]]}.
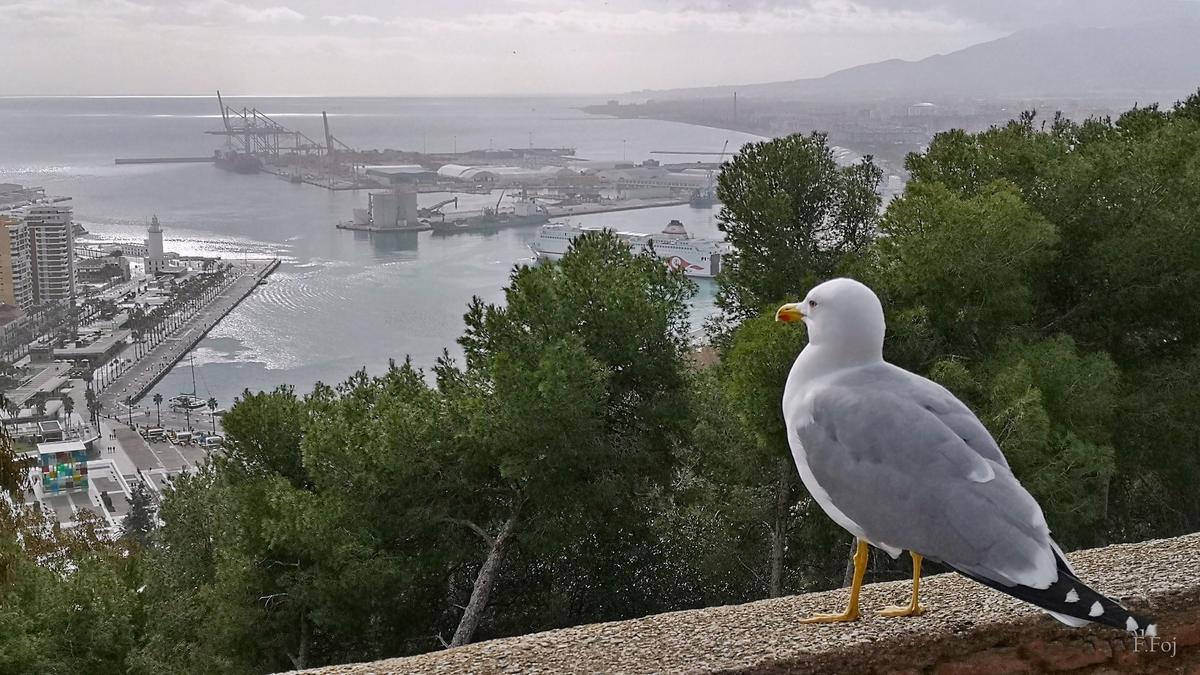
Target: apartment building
{"points": [[52, 252], [16, 279]]}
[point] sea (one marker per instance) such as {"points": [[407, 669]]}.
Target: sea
{"points": [[340, 300]]}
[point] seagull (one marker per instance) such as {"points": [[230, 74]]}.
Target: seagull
{"points": [[903, 465]]}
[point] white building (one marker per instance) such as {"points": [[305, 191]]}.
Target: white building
{"points": [[16, 279], [924, 109], [507, 175], [66, 484], [52, 252]]}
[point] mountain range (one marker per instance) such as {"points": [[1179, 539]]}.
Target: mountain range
{"points": [[1156, 61]]}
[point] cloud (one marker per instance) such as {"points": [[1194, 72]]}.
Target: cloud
{"points": [[814, 17], [353, 19], [1017, 14], [34, 11], [1006, 15], [224, 10]]}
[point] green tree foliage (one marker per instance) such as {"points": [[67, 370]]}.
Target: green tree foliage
{"points": [[142, 516], [14, 469], [794, 216], [1047, 273], [68, 600], [575, 388], [1121, 197], [264, 431], [969, 261], [742, 461], [370, 513]]}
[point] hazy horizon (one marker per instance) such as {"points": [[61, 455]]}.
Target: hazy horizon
{"points": [[469, 48]]}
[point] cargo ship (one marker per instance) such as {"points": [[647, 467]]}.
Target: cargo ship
{"points": [[679, 250], [525, 212], [237, 162]]}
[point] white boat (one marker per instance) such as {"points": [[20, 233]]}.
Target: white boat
{"points": [[188, 401], [678, 249]]}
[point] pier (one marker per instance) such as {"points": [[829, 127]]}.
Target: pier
{"points": [[141, 377], [367, 227], [162, 160], [612, 207]]}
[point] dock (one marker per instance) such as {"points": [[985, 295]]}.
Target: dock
{"points": [[612, 207], [141, 377], [162, 160], [371, 228], [334, 183]]}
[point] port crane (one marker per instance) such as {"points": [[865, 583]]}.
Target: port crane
{"points": [[708, 196], [712, 189], [251, 131], [495, 210], [437, 208]]}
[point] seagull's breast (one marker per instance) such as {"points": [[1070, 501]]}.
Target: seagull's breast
{"points": [[798, 414], [797, 418]]}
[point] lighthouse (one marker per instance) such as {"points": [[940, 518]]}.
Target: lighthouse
{"points": [[154, 248]]}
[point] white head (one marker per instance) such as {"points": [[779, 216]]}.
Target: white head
{"points": [[842, 314]]}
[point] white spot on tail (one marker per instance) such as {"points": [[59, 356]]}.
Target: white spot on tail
{"points": [[1131, 624], [1152, 630], [1096, 609], [1072, 596]]}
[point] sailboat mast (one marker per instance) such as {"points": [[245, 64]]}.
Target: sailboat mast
{"points": [[192, 360]]}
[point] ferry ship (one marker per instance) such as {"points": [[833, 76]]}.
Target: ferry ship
{"points": [[679, 250]]}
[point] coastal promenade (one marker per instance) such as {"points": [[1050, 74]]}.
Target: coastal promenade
{"points": [[139, 378]]}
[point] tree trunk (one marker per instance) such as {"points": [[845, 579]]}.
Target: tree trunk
{"points": [[484, 582], [783, 503], [300, 660]]}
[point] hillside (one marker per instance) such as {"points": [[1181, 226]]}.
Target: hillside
{"points": [[1150, 60]]}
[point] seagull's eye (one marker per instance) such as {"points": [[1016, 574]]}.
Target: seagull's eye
{"points": [[812, 303]]}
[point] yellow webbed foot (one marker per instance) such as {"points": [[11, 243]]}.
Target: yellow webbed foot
{"points": [[844, 617], [902, 610]]}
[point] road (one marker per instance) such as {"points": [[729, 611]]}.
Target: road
{"points": [[140, 377]]}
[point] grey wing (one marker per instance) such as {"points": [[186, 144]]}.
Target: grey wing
{"points": [[909, 481], [936, 399]]}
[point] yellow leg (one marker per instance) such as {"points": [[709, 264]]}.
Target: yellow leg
{"points": [[914, 607], [851, 613]]}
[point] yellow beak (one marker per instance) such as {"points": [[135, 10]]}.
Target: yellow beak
{"points": [[789, 313]]}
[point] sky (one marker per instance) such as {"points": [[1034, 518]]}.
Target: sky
{"points": [[488, 47]]}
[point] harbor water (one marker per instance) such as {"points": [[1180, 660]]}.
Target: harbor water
{"points": [[341, 300]]}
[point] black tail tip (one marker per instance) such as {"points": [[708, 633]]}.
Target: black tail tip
{"points": [[1141, 626]]}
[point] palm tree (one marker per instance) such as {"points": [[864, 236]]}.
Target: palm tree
{"points": [[129, 405], [89, 396], [68, 407], [158, 399], [212, 406]]}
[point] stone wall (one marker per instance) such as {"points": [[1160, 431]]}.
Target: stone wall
{"points": [[967, 630]]}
